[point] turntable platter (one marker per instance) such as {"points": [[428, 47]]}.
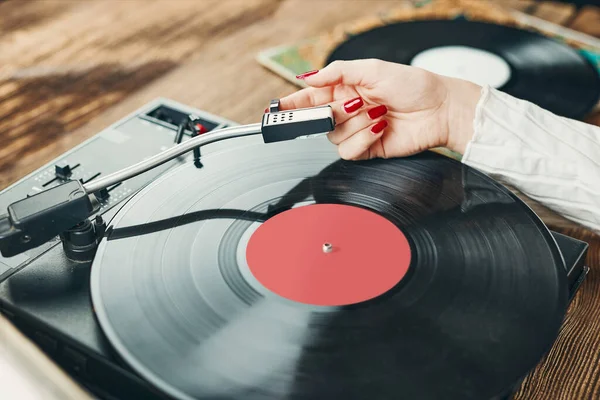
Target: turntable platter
{"points": [[464, 290]]}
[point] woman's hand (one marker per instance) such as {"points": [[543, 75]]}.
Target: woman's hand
{"points": [[384, 109]]}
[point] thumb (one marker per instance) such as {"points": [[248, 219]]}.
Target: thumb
{"points": [[351, 73]]}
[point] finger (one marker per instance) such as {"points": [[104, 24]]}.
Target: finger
{"points": [[353, 73], [358, 144], [356, 123], [375, 151], [344, 110], [307, 97]]}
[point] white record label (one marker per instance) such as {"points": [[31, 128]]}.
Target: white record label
{"points": [[468, 63]]}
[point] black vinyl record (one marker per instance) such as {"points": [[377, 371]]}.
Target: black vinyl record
{"points": [[542, 70], [481, 303]]}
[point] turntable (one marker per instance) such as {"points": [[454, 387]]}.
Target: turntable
{"points": [[262, 266]]}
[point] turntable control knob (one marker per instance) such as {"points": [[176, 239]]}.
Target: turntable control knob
{"points": [[102, 194], [200, 128], [62, 171]]}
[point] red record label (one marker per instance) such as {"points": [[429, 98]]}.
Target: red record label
{"points": [[328, 254]]}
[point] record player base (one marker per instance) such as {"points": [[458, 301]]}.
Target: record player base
{"points": [[47, 296]]}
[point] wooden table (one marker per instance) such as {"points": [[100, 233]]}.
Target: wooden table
{"points": [[69, 69]]}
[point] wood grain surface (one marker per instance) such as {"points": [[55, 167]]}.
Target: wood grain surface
{"points": [[68, 69]]}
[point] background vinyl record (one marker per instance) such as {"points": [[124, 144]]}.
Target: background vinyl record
{"points": [[524, 64], [482, 301]]}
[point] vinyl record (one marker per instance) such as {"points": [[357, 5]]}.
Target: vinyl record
{"points": [[280, 271], [522, 63]]}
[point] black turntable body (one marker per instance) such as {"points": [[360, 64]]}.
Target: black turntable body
{"points": [[181, 302]]}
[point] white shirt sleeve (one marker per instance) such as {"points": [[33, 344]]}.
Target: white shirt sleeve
{"points": [[551, 159]]}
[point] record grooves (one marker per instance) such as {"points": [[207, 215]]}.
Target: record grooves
{"points": [[542, 70], [482, 300]]}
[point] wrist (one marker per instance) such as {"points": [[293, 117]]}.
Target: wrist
{"points": [[462, 99]]}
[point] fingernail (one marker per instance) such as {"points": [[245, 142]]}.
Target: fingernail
{"points": [[266, 110], [352, 105], [377, 112], [309, 73], [378, 127]]}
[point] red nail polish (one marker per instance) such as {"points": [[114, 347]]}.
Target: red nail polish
{"points": [[378, 127], [352, 105], [377, 112], [266, 110], [309, 73]]}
